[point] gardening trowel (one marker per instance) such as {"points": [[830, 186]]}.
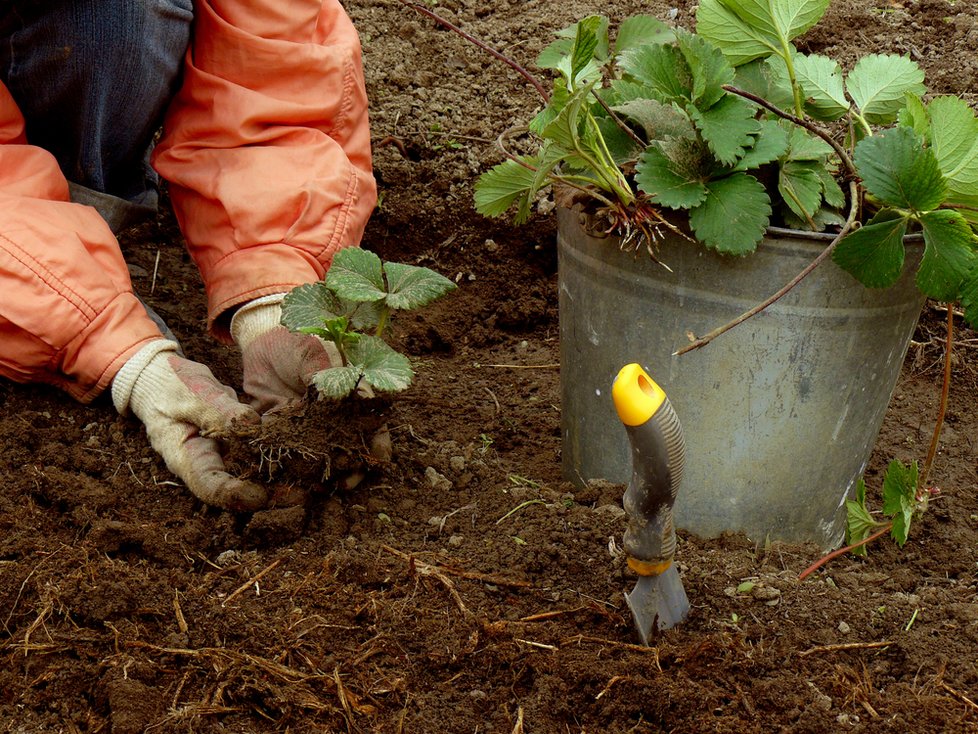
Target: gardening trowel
{"points": [[658, 456]]}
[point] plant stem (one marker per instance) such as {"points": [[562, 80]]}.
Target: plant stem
{"points": [[541, 90], [609, 169], [704, 340], [792, 79], [382, 318], [800, 121], [842, 551], [862, 123], [618, 121], [942, 408]]}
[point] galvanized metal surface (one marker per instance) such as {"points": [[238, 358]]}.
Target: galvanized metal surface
{"points": [[780, 414]]}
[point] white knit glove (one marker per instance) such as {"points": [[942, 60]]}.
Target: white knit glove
{"points": [[182, 405], [278, 364]]}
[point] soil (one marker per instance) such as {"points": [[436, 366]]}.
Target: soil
{"points": [[464, 586]]}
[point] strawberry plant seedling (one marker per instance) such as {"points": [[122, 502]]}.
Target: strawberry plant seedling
{"points": [[902, 501], [359, 294]]}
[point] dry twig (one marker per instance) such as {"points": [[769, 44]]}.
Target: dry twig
{"points": [[518, 729], [958, 695], [470, 575], [654, 651], [253, 580], [845, 646]]}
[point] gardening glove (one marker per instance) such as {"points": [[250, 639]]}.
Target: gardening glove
{"points": [[182, 404], [278, 364]]}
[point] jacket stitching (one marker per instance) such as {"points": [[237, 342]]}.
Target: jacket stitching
{"points": [[48, 278]]}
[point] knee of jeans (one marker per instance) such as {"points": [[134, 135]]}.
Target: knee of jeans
{"points": [[142, 41], [93, 78]]}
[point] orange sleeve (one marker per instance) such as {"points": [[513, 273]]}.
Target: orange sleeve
{"points": [[267, 147], [68, 316]]}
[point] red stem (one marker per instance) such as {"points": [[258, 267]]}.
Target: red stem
{"points": [[541, 90], [942, 409], [842, 551]]}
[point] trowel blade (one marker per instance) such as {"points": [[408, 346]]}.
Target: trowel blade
{"points": [[658, 601]]}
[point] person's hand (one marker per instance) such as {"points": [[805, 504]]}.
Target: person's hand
{"points": [[278, 364], [183, 406]]}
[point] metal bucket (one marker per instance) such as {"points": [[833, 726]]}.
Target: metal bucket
{"points": [[780, 414]]}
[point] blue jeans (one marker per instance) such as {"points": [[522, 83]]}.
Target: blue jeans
{"points": [[93, 79]]}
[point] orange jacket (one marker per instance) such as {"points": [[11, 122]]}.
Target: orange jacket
{"points": [[266, 149]]}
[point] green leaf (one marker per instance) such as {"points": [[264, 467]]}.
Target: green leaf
{"points": [[663, 70], [823, 219], [734, 215], [900, 497], [581, 57], [727, 127], [383, 368], [879, 85], [336, 382], [969, 297], [668, 182], [337, 330], [770, 143], [620, 91], [558, 55], [821, 81], [639, 30], [410, 286], [356, 275], [859, 523], [657, 120], [573, 131], [915, 115], [558, 98], [365, 314], [803, 146], [897, 169], [565, 129], [949, 254], [953, 133], [308, 306], [501, 185], [834, 195], [768, 79], [709, 68], [874, 253], [622, 146], [801, 187], [749, 29]]}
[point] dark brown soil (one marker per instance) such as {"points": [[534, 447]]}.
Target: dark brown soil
{"points": [[464, 587]]}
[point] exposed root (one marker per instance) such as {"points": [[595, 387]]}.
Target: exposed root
{"points": [[637, 226]]}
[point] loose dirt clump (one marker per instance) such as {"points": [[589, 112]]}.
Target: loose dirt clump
{"points": [[462, 585]]}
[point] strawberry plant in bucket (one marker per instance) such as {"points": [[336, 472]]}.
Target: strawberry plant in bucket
{"points": [[726, 126], [726, 141]]}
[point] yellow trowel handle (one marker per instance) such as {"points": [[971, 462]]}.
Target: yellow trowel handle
{"points": [[658, 457]]}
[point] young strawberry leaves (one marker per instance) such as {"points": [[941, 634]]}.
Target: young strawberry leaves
{"points": [[571, 133], [902, 500], [360, 292], [697, 167], [912, 172]]}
